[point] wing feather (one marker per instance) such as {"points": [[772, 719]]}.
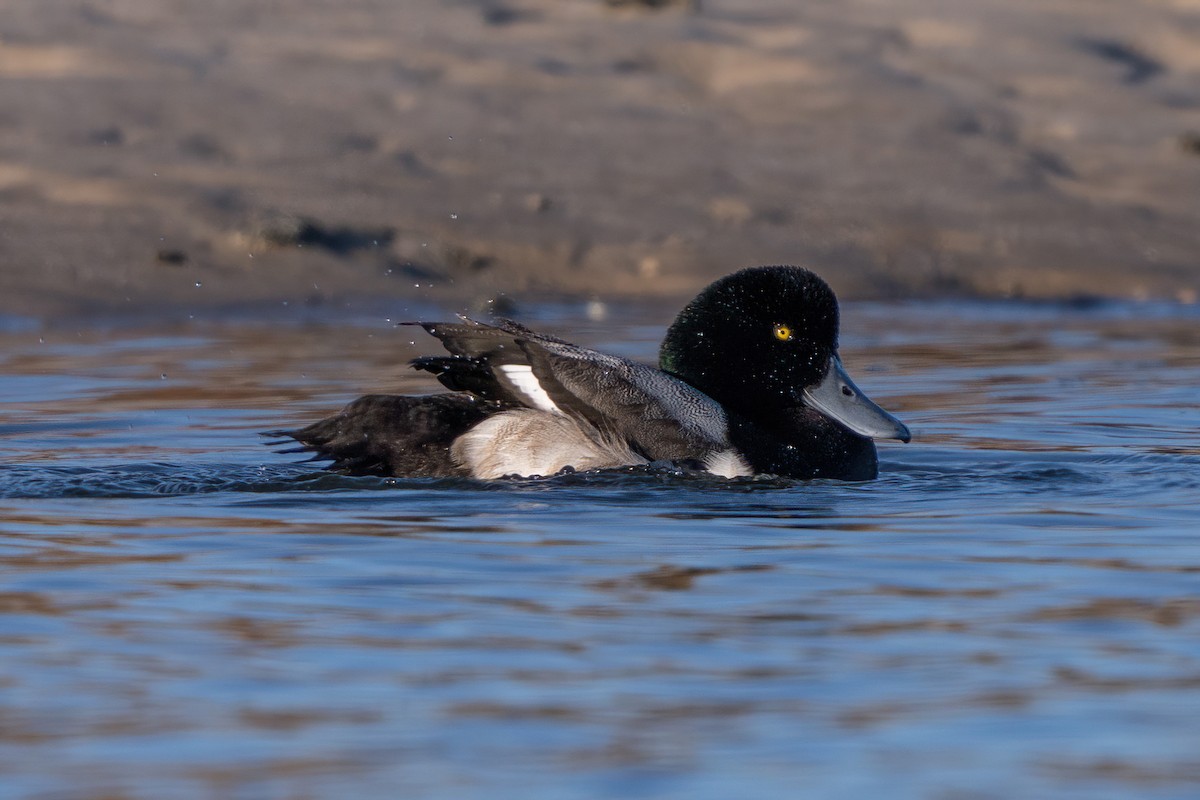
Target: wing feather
{"points": [[660, 416]]}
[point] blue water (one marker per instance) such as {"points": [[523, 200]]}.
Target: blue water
{"points": [[1011, 610]]}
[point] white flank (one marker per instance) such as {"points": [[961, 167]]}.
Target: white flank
{"points": [[727, 464], [528, 442], [521, 378]]}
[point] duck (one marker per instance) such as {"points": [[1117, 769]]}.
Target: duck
{"points": [[749, 383]]}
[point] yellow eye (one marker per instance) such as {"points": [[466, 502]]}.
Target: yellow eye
{"points": [[783, 333]]}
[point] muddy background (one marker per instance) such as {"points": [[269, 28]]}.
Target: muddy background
{"points": [[172, 156]]}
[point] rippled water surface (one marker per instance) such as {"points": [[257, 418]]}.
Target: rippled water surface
{"points": [[1011, 610]]}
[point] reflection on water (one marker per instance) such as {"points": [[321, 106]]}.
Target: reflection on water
{"points": [[1012, 609]]}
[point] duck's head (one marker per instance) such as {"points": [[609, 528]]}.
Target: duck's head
{"points": [[763, 342]]}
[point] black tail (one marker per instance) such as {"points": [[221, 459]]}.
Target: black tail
{"points": [[387, 435]]}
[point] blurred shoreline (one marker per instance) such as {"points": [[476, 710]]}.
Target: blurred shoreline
{"points": [[183, 158]]}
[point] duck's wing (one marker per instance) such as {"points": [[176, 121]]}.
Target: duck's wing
{"points": [[485, 361], [471, 375], [659, 416]]}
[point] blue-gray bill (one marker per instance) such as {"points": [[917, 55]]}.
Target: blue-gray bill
{"points": [[838, 398]]}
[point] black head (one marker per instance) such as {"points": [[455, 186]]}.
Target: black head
{"points": [[755, 339]]}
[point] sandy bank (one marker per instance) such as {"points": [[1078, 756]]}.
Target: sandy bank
{"points": [[184, 155]]}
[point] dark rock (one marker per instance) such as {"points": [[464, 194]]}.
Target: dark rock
{"points": [[290, 230], [111, 135], [500, 15], [171, 258], [691, 5], [1190, 143], [1139, 66]]}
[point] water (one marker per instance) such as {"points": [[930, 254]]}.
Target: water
{"points": [[1011, 610]]}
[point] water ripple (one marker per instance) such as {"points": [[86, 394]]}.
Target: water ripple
{"points": [[186, 613]]}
